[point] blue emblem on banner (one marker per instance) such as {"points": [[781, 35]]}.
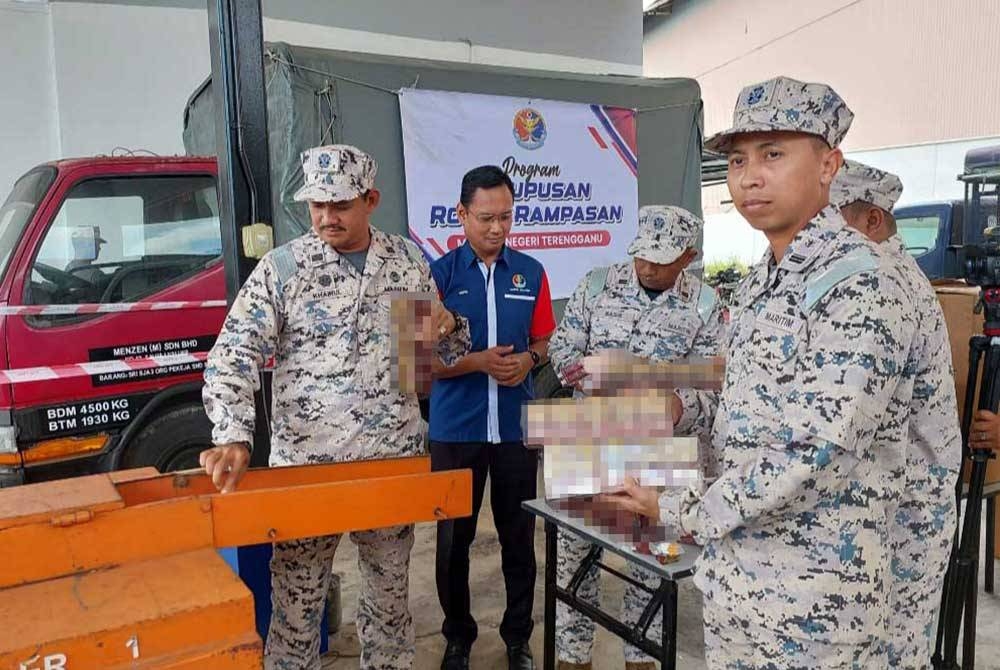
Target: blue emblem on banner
{"points": [[529, 128]]}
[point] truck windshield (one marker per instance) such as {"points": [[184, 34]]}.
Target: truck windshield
{"points": [[124, 238], [919, 233], [18, 209]]}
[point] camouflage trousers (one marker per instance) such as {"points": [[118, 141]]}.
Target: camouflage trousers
{"points": [[300, 578], [734, 643], [574, 630], [918, 568]]}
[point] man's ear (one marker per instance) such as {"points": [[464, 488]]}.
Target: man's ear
{"points": [[875, 223], [373, 198], [833, 159], [685, 258]]}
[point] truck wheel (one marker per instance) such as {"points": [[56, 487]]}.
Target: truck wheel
{"points": [[171, 441], [547, 384]]}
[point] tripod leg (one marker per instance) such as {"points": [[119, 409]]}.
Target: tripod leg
{"points": [[967, 569], [969, 629], [991, 390], [949, 620]]}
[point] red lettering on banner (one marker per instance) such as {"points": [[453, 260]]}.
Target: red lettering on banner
{"points": [[575, 240]]}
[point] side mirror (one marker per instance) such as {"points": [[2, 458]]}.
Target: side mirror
{"points": [[258, 239]]}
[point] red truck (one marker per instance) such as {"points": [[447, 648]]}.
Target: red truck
{"points": [[107, 230]]}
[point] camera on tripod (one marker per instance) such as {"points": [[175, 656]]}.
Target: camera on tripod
{"points": [[980, 263]]}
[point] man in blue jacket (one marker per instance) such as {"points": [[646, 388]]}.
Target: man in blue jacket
{"points": [[475, 416]]}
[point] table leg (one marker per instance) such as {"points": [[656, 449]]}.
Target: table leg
{"points": [[669, 632]]}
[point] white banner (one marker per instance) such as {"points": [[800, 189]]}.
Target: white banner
{"points": [[574, 168]]}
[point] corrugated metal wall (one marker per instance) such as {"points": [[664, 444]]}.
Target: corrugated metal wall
{"points": [[913, 71]]}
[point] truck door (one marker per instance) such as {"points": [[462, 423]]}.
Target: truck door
{"points": [[119, 239], [16, 214], [925, 230]]}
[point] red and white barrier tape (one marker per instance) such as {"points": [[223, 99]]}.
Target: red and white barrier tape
{"points": [[47, 373], [106, 308]]}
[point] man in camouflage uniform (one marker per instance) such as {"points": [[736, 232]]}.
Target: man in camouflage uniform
{"points": [[797, 559], [924, 518], [654, 309], [320, 306]]}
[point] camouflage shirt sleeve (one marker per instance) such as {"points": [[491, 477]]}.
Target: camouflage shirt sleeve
{"points": [[699, 406], [248, 338], [808, 453], [570, 341], [458, 343]]}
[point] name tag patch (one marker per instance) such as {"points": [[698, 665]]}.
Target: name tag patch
{"points": [[326, 295], [774, 320], [679, 328]]}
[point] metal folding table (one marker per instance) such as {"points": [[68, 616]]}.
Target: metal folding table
{"points": [[664, 596]]}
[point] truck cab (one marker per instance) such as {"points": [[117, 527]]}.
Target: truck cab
{"points": [[932, 233], [106, 231]]}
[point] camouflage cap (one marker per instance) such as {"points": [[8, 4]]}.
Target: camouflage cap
{"points": [[856, 181], [783, 104], [665, 232], [335, 172]]}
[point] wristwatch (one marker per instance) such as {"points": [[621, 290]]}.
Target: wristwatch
{"points": [[535, 358]]}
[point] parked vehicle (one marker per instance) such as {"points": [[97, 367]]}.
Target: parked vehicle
{"points": [[107, 230]]}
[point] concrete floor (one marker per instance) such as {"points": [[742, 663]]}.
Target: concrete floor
{"points": [[488, 603]]}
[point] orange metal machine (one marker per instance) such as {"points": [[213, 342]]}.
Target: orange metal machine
{"points": [[120, 570]]}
